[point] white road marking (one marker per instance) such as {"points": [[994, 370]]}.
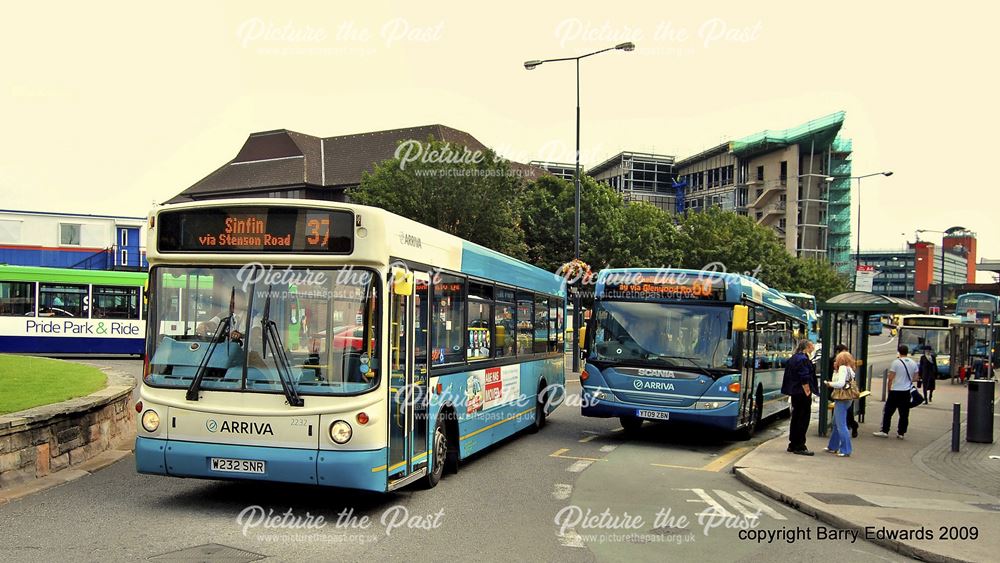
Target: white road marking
{"points": [[619, 429], [749, 505], [562, 491], [609, 448], [579, 466]]}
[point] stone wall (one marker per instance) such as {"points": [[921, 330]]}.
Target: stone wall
{"points": [[46, 439]]}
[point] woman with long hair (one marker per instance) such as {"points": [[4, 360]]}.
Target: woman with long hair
{"points": [[843, 377]]}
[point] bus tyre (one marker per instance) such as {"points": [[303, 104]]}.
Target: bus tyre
{"points": [[439, 456], [755, 415], [540, 400], [631, 424]]}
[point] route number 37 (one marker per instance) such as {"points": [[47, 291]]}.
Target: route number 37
{"points": [[319, 231]]}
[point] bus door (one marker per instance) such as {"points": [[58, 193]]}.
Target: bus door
{"points": [[747, 379], [408, 318]]}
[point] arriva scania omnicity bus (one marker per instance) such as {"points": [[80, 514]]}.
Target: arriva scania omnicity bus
{"points": [[689, 346], [67, 311], [336, 344]]}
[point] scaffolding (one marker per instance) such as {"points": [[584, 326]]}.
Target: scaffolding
{"points": [[839, 206]]}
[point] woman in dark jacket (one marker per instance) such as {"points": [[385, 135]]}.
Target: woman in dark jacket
{"points": [[928, 373]]}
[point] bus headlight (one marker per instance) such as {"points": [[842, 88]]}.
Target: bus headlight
{"points": [[150, 421], [341, 432], [703, 405]]}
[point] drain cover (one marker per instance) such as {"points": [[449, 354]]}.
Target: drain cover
{"points": [[210, 552]]}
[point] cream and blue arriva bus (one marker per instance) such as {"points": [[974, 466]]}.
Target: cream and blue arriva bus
{"points": [[336, 344]]}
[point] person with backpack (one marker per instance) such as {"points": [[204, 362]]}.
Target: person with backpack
{"points": [[900, 380]]}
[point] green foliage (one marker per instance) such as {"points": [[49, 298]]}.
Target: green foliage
{"points": [[475, 200], [483, 202]]}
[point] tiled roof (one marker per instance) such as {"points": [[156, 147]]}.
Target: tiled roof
{"points": [[285, 158]]}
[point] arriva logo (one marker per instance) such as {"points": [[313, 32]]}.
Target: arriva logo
{"points": [[236, 427], [655, 385], [656, 373]]}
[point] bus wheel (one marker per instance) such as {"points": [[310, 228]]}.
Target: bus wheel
{"points": [[439, 456], [540, 400], [631, 424]]}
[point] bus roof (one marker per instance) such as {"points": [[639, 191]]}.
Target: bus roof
{"points": [[976, 301], [737, 286], [69, 275], [390, 236]]}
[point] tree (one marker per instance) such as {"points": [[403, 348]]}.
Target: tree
{"points": [[725, 241], [649, 238], [547, 215], [470, 195], [817, 277]]}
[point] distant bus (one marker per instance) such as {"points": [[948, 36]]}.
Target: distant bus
{"points": [[336, 344], [689, 346], [919, 332], [983, 308], [67, 311], [807, 303]]}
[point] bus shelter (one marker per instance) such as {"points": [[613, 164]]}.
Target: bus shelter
{"points": [[845, 319]]}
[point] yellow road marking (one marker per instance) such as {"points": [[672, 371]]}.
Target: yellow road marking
{"points": [[559, 453], [677, 466], [723, 460], [586, 439], [714, 466]]}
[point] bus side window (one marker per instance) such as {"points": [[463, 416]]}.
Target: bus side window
{"points": [[448, 320]]}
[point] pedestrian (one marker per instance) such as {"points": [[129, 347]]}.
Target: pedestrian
{"points": [[799, 383], [928, 373], [843, 378], [901, 374], [851, 422]]}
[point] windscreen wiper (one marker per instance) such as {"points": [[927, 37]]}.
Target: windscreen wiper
{"points": [[221, 333], [269, 334], [691, 361]]}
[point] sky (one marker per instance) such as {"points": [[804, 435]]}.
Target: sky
{"points": [[109, 107]]}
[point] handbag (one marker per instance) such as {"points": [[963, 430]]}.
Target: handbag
{"points": [[848, 392], [916, 399]]}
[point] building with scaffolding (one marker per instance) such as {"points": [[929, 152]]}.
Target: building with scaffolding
{"points": [[795, 181]]}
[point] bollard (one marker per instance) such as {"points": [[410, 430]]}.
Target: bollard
{"points": [[956, 425], [885, 375]]}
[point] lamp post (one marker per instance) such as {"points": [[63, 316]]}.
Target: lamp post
{"points": [[941, 288], [857, 252], [531, 65]]}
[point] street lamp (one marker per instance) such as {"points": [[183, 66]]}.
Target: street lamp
{"points": [[941, 288], [531, 65], [857, 252]]}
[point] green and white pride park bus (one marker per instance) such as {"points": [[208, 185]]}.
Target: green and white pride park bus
{"points": [[336, 344]]}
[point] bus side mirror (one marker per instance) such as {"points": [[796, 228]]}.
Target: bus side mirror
{"points": [[402, 282], [741, 318]]}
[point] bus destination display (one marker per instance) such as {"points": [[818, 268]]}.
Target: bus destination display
{"points": [[666, 287], [924, 322], [256, 229]]}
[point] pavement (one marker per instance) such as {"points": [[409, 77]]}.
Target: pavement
{"points": [[913, 496]]}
